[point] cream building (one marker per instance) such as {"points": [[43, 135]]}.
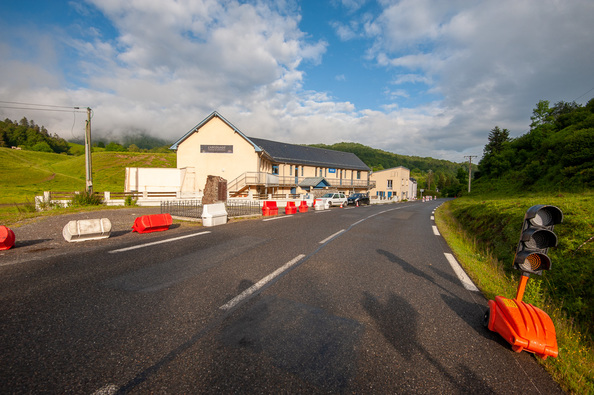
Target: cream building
{"points": [[391, 183], [254, 166]]}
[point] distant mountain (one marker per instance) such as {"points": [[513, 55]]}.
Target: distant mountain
{"points": [[379, 159]]}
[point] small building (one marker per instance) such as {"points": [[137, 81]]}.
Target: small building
{"points": [[412, 189], [392, 184], [254, 166]]}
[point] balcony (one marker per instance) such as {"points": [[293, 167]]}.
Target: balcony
{"points": [[273, 180]]}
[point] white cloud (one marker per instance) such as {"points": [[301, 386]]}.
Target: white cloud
{"points": [[171, 63]]}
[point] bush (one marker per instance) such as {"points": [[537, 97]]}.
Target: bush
{"points": [[129, 201], [84, 198]]}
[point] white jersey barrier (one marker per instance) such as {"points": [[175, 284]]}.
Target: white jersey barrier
{"points": [[87, 229]]}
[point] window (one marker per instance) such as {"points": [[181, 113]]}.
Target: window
{"points": [[274, 169], [302, 171], [320, 172], [389, 183], [358, 175], [291, 170]]}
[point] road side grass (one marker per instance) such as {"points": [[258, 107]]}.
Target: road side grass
{"points": [[573, 369]]}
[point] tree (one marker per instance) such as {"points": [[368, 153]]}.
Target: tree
{"points": [[497, 138], [541, 115], [114, 147], [462, 176], [495, 160]]}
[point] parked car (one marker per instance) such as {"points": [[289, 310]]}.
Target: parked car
{"points": [[335, 199], [361, 198]]}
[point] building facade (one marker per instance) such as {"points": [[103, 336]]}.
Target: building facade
{"points": [[392, 184], [254, 166]]}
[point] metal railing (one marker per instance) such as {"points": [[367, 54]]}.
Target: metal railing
{"points": [[182, 208], [193, 208], [240, 209], [252, 178], [273, 180]]}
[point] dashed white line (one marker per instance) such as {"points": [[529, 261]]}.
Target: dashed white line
{"points": [[332, 236], [466, 281], [157, 242], [435, 231], [275, 218], [254, 288]]}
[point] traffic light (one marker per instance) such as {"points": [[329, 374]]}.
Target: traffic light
{"points": [[536, 238]]}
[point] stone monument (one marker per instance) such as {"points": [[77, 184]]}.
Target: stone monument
{"points": [[215, 190]]}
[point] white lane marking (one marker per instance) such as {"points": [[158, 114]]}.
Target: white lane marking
{"points": [[275, 218], [435, 231], [432, 218], [466, 281], [254, 288], [331, 237], [157, 242], [322, 211]]}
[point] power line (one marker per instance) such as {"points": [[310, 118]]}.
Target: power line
{"points": [[584, 94], [36, 104], [43, 109]]}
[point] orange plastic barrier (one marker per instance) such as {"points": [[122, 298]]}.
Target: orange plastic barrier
{"points": [[269, 208], [290, 208], [523, 326], [152, 223], [303, 207], [6, 238]]}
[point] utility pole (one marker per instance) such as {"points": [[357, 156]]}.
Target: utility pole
{"points": [[88, 164], [469, 169]]}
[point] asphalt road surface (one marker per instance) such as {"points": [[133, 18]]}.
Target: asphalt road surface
{"points": [[358, 300]]}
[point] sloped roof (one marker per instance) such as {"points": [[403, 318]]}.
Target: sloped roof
{"points": [[302, 155], [314, 182], [206, 120]]}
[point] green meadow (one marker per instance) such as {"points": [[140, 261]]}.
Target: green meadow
{"points": [[26, 174]]}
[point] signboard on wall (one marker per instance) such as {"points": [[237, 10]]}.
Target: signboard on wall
{"points": [[331, 170], [216, 149]]}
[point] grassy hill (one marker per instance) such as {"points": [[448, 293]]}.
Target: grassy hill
{"points": [[25, 174]]}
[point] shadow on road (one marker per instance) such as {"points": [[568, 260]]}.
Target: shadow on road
{"points": [[397, 320]]}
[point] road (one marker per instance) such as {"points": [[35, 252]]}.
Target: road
{"points": [[357, 300]]}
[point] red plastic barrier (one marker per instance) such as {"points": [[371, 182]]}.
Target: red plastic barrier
{"points": [[6, 238], [290, 209], [152, 223], [303, 207], [269, 208]]}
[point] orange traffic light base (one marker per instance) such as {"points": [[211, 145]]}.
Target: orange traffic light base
{"points": [[525, 327]]}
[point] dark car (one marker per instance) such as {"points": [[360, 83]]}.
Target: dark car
{"points": [[361, 198]]}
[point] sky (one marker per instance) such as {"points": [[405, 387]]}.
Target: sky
{"points": [[425, 78]]}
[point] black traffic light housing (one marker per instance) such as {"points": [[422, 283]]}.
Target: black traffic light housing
{"points": [[536, 238]]}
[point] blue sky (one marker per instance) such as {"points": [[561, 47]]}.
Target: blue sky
{"points": [[414, 77]]}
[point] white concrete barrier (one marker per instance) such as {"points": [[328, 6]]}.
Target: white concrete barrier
{"points": [[87, 229], [214, 214], [320, 205]]}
